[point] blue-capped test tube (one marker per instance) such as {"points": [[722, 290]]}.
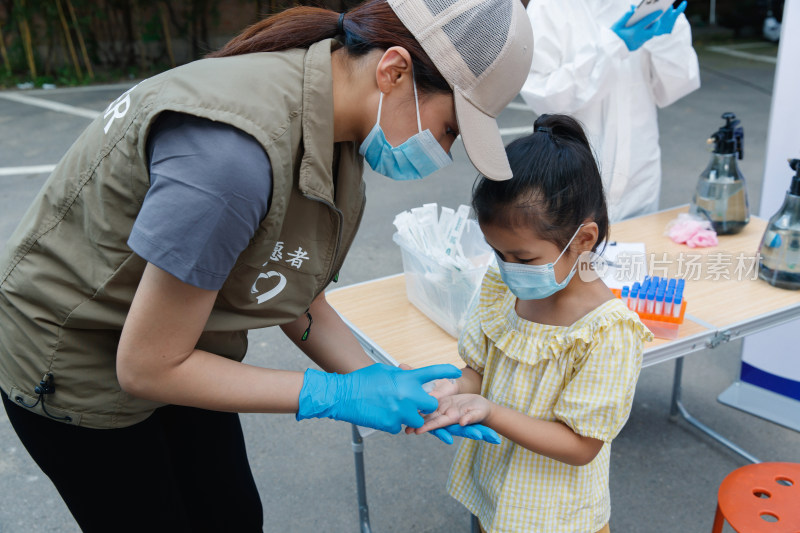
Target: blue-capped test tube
{"points": [[668, 301], [659, 307], [624, 294], [679, 286], [634, 296], [640, 305], [676, 305], [651, 299], [671, 284]]}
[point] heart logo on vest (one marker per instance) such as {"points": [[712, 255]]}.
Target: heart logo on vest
{"points": [[274, 291]]}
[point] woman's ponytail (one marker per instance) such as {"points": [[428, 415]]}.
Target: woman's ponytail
{"points": [[297, 27], [371, 25]]}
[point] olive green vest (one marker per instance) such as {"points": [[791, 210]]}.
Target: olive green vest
{"points": [[67, 275]]}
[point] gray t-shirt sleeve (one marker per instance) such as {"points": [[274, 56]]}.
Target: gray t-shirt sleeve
{"points": [[210, 187]]}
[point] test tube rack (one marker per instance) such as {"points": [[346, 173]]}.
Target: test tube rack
{"points": [[662, 326]]}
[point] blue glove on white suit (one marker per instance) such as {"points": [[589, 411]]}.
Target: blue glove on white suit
{"points": [[472, 431], [636, 35], [665, 24], [378, 396]]}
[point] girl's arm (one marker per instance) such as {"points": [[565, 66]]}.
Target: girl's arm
{"points": [[552, 439], [469, 383]]}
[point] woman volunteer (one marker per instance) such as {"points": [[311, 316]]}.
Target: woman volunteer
{"points": [[219, 197]]}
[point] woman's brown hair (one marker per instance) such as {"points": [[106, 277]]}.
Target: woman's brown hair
{"points": [[370, 26]]}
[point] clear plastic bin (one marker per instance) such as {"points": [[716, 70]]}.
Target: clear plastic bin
{"points": [[441, 293]]}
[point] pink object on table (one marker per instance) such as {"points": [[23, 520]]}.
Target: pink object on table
{"points": [[692, 231], [703, 239], [684, 230]]}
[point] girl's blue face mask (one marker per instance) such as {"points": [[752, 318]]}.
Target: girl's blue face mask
{"points": [[534, 282], [419, 156]]}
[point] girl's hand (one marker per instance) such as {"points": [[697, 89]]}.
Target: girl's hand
{"points": [[443, 387], [438, 388], [462, 409]]}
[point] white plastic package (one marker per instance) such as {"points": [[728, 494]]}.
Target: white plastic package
{"points": [[444, 259]]}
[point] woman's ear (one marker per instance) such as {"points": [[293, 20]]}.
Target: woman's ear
{"points": [[586, 237], [394, 68]]}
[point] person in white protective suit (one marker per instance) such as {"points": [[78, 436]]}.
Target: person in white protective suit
{"points": [[588, 64]]}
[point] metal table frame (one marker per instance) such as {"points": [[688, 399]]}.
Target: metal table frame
{"points": [[704, 335], [677, 349]]}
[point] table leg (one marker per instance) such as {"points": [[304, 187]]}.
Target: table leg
{"points": [[361, 485], [677, 409], [475, 524]]}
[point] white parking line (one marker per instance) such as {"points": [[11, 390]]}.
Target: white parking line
{"points": [[518, 106], [53, 106], [522, 130], [731, 51], [121, 87], [20, 171], [744, 46]]}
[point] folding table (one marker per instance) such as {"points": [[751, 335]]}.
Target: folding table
{"points": [[720, 308]]}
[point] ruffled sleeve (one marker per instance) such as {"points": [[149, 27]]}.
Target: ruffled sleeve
{"points": [[597, 397], [473, 343]]}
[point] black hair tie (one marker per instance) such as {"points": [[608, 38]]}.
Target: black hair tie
{"points": [[544, 129], [340, 30]]}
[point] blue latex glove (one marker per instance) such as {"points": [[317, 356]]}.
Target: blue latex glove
{"points": [[378, 396], [665, 24], [636, 35], [472, 431]]}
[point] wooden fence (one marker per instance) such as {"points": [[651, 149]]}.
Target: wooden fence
{"points": [[77, 41]]}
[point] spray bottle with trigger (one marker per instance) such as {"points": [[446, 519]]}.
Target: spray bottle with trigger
{"points": [[780, 247], [721, 194]]}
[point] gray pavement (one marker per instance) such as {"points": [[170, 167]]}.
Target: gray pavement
{"points": [[664, 474]]}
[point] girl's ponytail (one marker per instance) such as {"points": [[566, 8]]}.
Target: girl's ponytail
{"points": [[561, 127], [556, 185], [369, 26]]}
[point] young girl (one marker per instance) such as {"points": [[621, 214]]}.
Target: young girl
{"points": [[552, 359]]}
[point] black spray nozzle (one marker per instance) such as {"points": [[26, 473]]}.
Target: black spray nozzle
{"points": [[794, 189], [729, 138]]}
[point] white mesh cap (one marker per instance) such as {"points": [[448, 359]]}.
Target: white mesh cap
{"points": [[483, 48]]}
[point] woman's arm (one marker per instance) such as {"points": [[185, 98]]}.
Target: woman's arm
{"points": [[157, 359], [552, 439], [330, 343]]}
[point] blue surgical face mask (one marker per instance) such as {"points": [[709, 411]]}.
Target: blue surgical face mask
{"points": [[534, 282], [419, 156]]}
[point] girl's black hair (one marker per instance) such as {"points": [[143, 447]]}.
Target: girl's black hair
{"points": [[555, 187]]}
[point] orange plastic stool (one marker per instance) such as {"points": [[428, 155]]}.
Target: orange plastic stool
{"points": [[760, 498]]}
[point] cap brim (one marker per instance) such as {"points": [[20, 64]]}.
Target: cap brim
{"points": [[482, 140]]}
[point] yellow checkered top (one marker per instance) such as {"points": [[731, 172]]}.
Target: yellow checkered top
{"points": [[583, 375]]}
